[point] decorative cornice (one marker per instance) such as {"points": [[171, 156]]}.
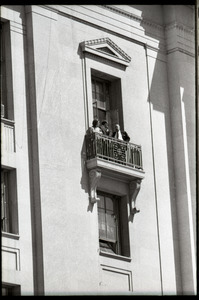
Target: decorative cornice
{"points": [[133, 17], [148, 22], [123, 12], [179, 26]]}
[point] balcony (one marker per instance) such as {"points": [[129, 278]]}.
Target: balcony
{"points": [[114, 158], [116, 154], [8, 142]]}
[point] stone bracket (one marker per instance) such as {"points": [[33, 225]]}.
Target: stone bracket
{"points": [[94, 177], [134, 188]]}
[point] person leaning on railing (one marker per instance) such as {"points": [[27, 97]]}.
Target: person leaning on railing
{"points": [[120, 135], [121, 149], [104, 128]]}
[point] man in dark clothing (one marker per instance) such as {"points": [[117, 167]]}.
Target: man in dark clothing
{"points": [[121, 135]]}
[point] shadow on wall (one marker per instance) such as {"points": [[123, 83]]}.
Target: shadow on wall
{"points": [[85, 178], [164, 102], [158, 100]]}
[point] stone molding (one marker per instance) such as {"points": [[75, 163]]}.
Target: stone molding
{"points": [[105, 60], [133, 17], [178, 49], [148, 22], [180, 27]]}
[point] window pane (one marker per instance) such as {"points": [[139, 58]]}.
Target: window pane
{"points": [[108, 223], [101, 201], [4, 202], [107, 93], [109, 203], [102, 224], [94, 97], [99, 87], [107, 246], [111, 227], [101, 115], [93, 86], [100, 92], [101, 104]]}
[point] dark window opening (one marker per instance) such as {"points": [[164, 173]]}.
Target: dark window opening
{"points": [[9, 213], [10, 290], [113, 224], [7, 107], [107, 99]]}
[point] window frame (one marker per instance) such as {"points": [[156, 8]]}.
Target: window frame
{"points": [[123, 250], [7, 102], [106, 98], [112, 244], [113, 112], [9, 203]]}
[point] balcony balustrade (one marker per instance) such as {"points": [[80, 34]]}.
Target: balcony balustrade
{"points": [[8, 135], [8, 145], [114, 150]]}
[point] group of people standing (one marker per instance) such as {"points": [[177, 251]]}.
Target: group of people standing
{"points": [[104, 129]]}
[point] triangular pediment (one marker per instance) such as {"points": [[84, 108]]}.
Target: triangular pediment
{"points": [[106, 48]]}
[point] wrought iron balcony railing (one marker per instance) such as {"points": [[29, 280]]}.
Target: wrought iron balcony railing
{"points": [[114, 150]]}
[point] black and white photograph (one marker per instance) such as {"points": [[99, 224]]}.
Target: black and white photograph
{"points": [[99, 145]]}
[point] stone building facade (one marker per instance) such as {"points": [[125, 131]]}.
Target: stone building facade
{"points": [[87, 213]]}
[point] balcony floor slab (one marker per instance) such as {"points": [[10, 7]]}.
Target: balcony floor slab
{"points": [[112, 169]]}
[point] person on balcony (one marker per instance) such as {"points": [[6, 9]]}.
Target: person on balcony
{"points": [[95, 127], [104, 128], [123, 136]]}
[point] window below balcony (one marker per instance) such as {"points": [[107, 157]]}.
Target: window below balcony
{"points": [[9, 209], [113, 225]]}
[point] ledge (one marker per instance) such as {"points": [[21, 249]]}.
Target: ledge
{"points": [[10, 235], [115, 256], [8, 121]]}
